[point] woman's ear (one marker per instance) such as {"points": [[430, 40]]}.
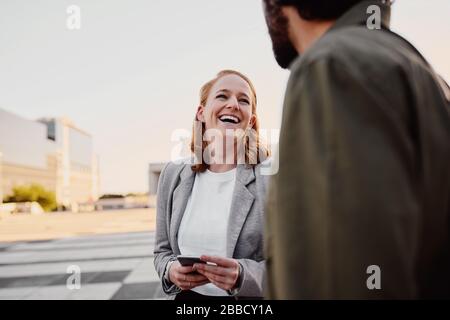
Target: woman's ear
{"points": [[252, 121], [199, 115]]}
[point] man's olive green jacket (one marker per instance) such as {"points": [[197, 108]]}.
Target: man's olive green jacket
{"points": [[360, 206]]}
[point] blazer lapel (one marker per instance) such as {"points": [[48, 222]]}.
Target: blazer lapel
{"points": [[180, 198], [240, 206]]}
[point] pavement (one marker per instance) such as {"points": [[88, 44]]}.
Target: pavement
{"points": [[115, 266], [40, 255], [26, 227]]}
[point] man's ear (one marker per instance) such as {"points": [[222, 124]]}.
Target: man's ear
{"points": [[199, 115]]}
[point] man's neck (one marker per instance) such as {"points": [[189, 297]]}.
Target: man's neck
{"points": [[304, 33]]}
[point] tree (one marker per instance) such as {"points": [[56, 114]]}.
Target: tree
{"points": [[33, 192]]}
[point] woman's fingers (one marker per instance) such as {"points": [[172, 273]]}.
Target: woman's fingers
{"points": [[223, 274], [213, 269], [176, 271], [181, 269], [226, 272], [220, 261], [223, 286], [182, 277], [217, 278], [221, 282], [186, 279], [191, 284], [195, 277]]}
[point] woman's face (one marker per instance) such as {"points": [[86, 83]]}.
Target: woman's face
{"points": [[229, 105]]}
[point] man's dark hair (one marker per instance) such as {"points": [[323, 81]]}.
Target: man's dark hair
{"points": [[319, 9]]}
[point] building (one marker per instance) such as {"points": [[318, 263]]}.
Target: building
{"points": [[50, 152], [154, 171]]}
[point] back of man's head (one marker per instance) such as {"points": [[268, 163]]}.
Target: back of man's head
{"points": [[319, 9]]}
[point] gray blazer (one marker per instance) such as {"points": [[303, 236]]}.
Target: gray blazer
{"points": [[245, 229]]}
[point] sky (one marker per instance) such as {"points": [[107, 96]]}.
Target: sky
{"points": [[130, 75]]}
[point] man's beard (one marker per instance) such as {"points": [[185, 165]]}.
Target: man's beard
{"points": [[277, 24]]}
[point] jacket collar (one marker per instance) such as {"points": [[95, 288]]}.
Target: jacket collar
{"points": [[241, 204], [180, 198], [240, 207], [244, 174]]}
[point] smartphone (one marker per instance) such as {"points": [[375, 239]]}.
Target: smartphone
{"points": [[189, 260]]}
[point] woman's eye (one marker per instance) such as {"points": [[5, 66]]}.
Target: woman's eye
{"points": [[221, 96], [245, 101]]}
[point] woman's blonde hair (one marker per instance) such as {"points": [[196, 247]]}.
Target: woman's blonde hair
{"points": [[253, 154]]}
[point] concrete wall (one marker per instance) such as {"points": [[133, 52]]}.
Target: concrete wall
{"points": [[24, 142]]}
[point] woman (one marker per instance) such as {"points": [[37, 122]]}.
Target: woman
{"points": [[214, 209]]}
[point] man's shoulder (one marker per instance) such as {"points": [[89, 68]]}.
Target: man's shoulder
{"points": [[358, 50]]}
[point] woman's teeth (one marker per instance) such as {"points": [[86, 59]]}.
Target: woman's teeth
{"points": [[230, 119]]}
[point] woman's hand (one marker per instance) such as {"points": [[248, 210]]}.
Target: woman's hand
{"points": [[224, 275], [183, 277]]}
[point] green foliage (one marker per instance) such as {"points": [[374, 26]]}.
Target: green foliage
{"points": [[34, 192], [137, 194], [112, 196]]}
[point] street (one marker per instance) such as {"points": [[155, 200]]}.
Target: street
{"points": [[115, 259]]}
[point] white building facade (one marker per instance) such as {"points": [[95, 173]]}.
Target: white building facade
{"points": [[50, 152]]}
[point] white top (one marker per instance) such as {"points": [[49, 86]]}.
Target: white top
{"points": [[203, 228]]}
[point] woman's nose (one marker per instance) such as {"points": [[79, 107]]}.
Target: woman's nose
{"points": [[233, 103]]}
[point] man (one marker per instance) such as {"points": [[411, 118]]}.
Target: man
{"points": [[360, 206]]}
